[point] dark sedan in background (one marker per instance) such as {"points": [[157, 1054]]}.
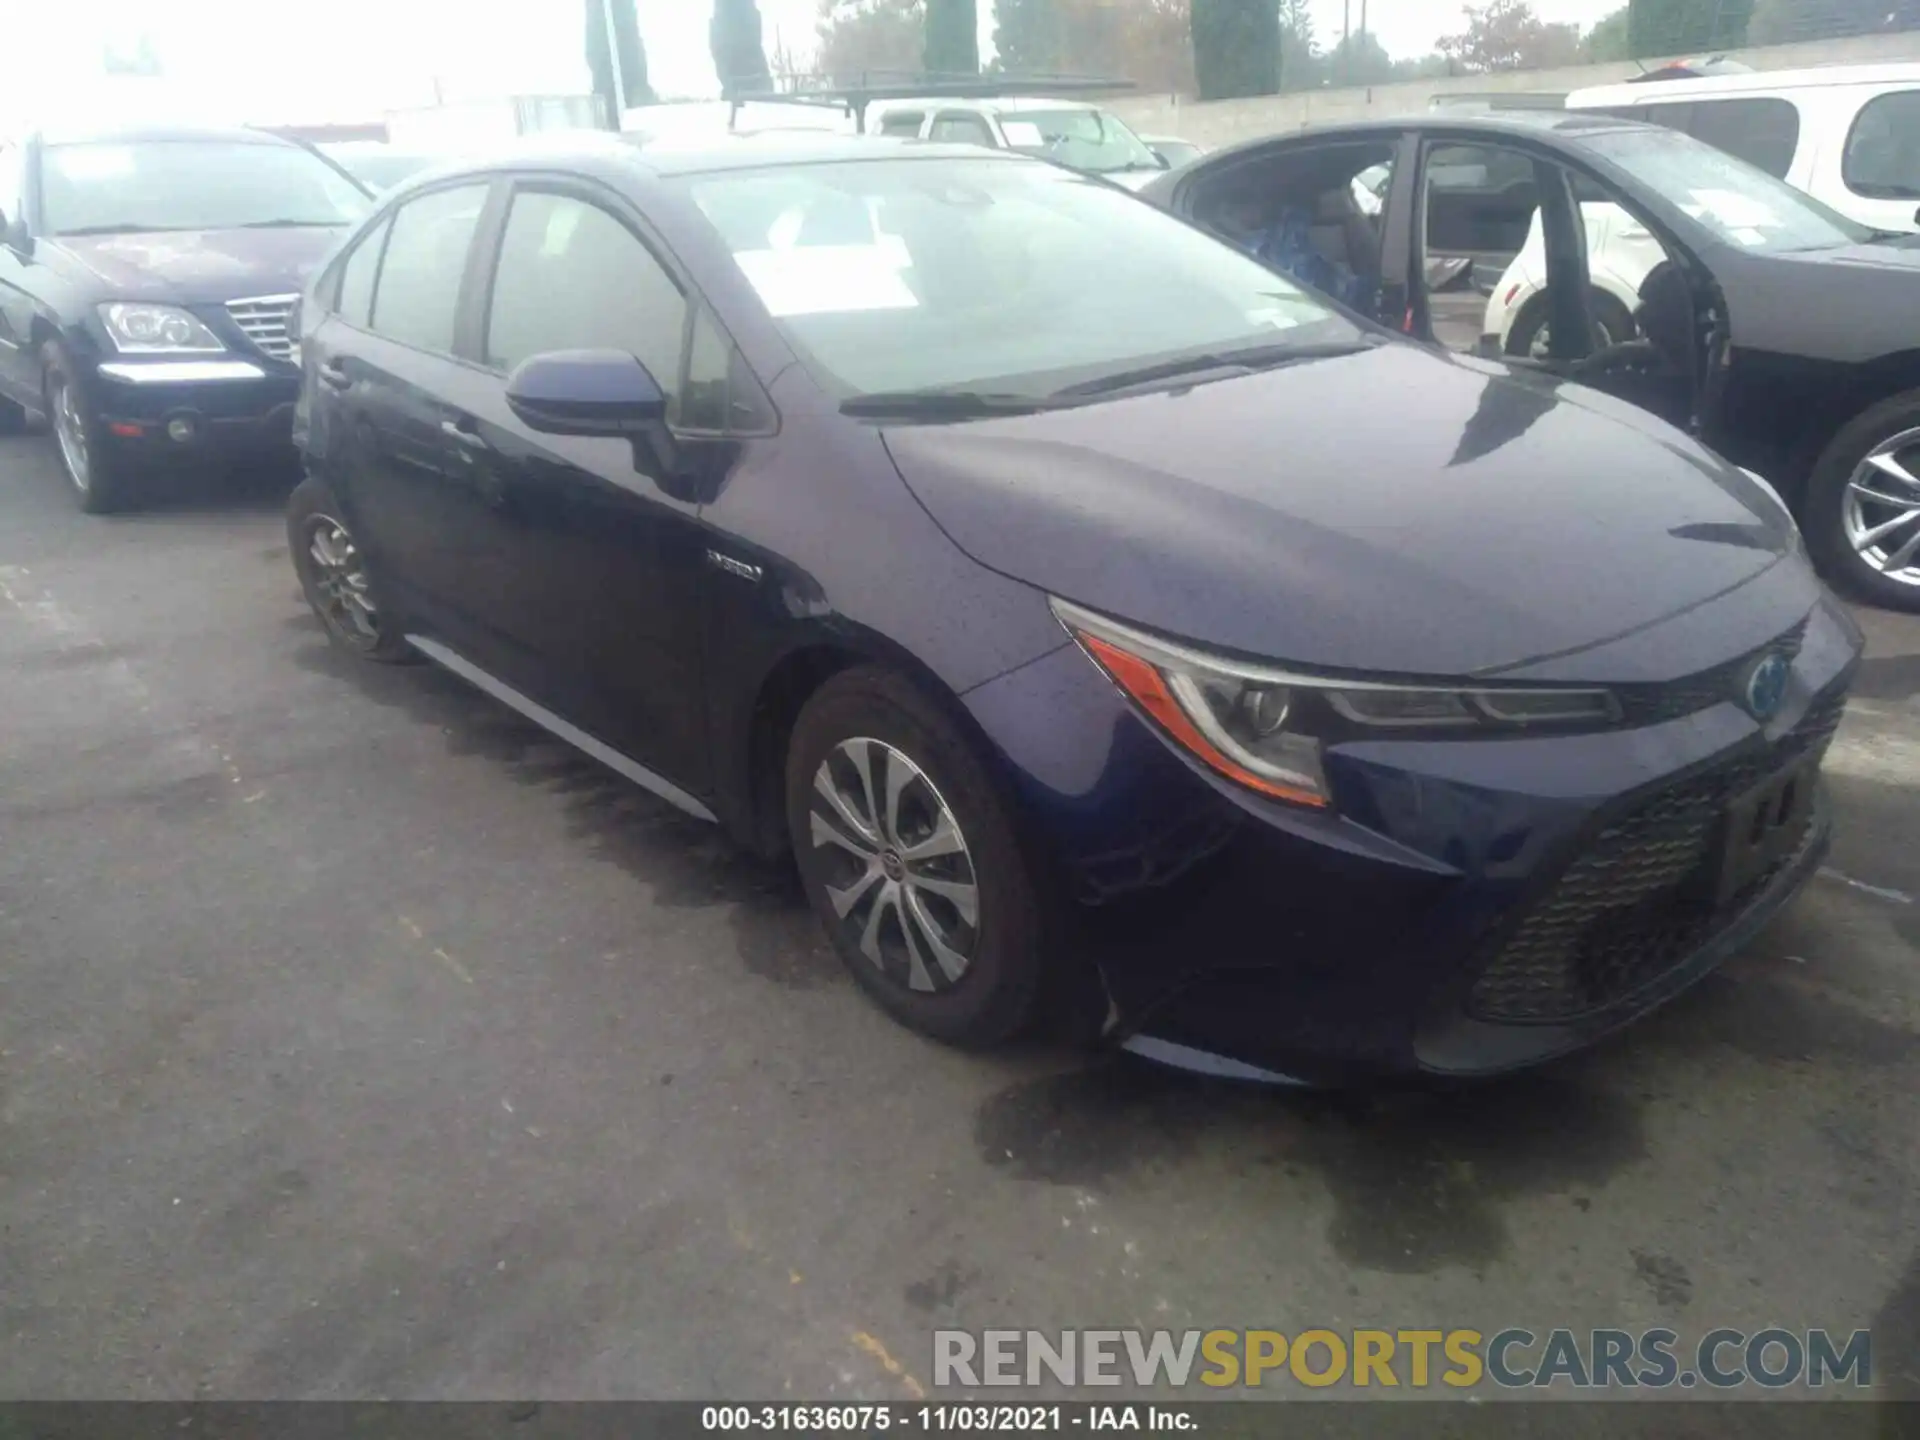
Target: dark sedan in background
{"points": [[1037, 570], [1778, 331], [147, 278]]}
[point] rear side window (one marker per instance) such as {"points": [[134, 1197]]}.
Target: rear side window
{"points": [[904, 123], [961, 129], [1883, 148], [357, 275], [1763, 131], [571, 277], [418, 297]]}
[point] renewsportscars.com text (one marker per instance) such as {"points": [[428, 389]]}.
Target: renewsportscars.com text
{"points": [[1515, 1358]]}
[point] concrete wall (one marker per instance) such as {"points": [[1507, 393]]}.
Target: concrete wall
{"points": [[1221, 122]]}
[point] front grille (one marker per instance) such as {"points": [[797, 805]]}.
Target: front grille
{"points": [[1641, 899], [1656, 704], [263, 320]]}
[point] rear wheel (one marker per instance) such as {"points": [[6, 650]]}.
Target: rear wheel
{"points": [[911, 857], [1862, 512], [335, 578], [99, 474]]}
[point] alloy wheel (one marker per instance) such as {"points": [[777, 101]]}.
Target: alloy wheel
{"points": [[896, 867], [70, 432], [338, 577], [1882, 508]]}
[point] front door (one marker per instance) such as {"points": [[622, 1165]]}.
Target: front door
{"points": [[604, 550]]}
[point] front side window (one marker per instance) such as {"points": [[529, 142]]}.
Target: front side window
{"points": [[1738, 203], [989, 274], [572, 277], [903, 124], [1764, 132], [1090, 140], [106, 187], [1883, 148], [418, 295]]}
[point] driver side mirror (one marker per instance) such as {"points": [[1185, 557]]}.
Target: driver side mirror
{"points": [[14, 235]]}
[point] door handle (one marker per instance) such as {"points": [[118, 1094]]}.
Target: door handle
{"points": [[333, 376], [463, 433]]}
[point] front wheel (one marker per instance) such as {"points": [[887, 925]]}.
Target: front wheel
{"points": [[98, 473], [1862, 512], [912, 858], [1532, 333]]}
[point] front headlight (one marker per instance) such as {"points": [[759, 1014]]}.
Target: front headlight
{"points": [[1267, 728], [156, 330]]}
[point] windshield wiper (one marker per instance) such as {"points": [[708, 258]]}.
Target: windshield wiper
{"points": [[942, 404], [1252, 357]]}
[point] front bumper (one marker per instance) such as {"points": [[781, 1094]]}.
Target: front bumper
{"points": [[189, 408], [1270, 942]]}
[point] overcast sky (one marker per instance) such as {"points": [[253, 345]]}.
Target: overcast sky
{"points": [[270, 60]]}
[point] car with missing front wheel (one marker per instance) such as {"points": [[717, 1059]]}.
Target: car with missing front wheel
{"points": [[1028, 566], [147, 283]]}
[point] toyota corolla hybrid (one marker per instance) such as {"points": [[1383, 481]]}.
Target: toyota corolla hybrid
{"points": [[1090, 611]]}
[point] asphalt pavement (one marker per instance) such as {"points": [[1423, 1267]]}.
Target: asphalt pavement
{"points": [[357, 1040]]}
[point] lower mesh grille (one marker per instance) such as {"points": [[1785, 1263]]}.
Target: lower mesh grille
{"points": [[1641, 899]]}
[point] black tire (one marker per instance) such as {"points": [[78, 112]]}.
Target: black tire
{"points": [[311, 507], [999, 991], [1823, 511], [106, 479], [1613, 323]]}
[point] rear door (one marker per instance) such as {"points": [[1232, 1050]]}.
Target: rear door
{"points": [[389, 413]]}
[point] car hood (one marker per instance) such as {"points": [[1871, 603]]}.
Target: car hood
{"points": [[204, 266], [1394, 511], [1134, 180]]}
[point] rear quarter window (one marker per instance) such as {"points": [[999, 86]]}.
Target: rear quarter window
{"points": [[1882, 160]]}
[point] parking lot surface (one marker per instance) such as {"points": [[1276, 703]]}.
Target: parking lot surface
{"points": [[358, 1040]]}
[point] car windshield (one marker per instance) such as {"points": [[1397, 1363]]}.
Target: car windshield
{"points": [[1738, 202], [107, 186], [1089, 140], [990, 275]]}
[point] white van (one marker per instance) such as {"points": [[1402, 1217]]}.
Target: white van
{"points": [[1846, 134]]}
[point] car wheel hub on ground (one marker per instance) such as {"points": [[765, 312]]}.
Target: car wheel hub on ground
{"points": [[898, 872], [71, 432], [1883, 508], [340, 581]]}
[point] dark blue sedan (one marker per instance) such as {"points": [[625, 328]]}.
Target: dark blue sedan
{"points": [[1100, 619]]}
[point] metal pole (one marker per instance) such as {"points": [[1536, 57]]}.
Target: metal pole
{"points": [[613, 55]]}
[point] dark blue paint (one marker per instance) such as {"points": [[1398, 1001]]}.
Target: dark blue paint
{"points": [[1493, 525]]}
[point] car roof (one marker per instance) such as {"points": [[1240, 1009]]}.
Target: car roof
{"points": [[1573, 126], [993, 105], [702, 154], [1652, 92], [152, 134]]}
